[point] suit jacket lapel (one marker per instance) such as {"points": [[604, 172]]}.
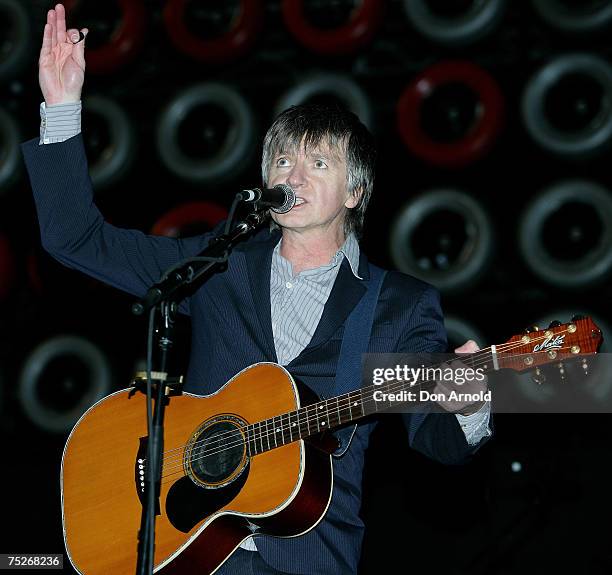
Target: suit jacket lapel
{"points": [[259, 260], [345, 295]]}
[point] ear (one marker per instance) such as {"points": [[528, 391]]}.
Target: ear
{"points": [[354, 199]]}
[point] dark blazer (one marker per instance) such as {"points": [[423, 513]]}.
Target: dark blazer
{"points": [[231, 329]]}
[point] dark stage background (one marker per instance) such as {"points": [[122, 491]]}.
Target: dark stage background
{"points": [[479, 108]]}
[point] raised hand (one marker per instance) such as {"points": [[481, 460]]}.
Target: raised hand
{"points": [[61, 66]]}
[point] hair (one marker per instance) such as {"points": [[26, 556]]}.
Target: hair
{"points": [[310, 125]]}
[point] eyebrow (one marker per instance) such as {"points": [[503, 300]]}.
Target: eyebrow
{"points": [[313, 154]]}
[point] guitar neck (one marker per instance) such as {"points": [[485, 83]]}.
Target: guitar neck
{"points": [[520, 353], [343, 409]]}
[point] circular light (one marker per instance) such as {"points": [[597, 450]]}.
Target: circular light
{"points": [[116, 31], [575, 17], [567, 105], [450, 114], [206, 133], [324, 86], [110, 141], [347, 35], [10, 156], [189, 219], [443, 237], [213, 32], [565, 234], [61, 379], [15, 35], [455, 23]]}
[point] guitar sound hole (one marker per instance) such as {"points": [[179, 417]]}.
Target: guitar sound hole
{"points": [[217, 453]]}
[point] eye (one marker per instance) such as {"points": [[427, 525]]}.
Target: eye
{"points": [[320, 164], [282, 163]]}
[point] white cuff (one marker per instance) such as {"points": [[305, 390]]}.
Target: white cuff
{"points": [[60, 122], [476, 425]]}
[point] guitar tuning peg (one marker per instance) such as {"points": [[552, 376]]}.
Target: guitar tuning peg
{"points": [[538, 377], [561, 370], [554, 324], [577, 317], [532, 328]]}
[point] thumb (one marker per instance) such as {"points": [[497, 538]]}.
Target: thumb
{"points": [[79, 53], [470, 346]]}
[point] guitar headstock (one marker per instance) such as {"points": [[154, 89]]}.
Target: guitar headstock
{"points": [[561, 341]]}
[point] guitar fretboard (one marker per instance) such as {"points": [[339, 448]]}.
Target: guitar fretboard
{"points": [[336, 411], [581, 336]]}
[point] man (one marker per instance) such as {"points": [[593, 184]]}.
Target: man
{"points": [[287, 293]]}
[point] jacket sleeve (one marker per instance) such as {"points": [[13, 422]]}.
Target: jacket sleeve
{"points": [[74, 232], [436, 435]]}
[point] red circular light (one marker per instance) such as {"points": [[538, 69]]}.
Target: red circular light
{"points": [[191, 214], [359, 30], [482, 134], [235, 42], [125, 42]]}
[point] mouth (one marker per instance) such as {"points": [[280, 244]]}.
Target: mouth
{"points": [[299, 201]]}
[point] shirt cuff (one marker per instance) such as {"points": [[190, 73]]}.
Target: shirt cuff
{"points": [[60, 122], [476, 425]]}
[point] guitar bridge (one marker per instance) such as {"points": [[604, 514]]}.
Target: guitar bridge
{"points": [[140, 473]]}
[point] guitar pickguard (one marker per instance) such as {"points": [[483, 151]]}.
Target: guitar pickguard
{"points": [[187, 503]]}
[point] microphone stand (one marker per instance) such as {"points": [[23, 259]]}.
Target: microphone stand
{"points": [[165, 294], [192, 269]]}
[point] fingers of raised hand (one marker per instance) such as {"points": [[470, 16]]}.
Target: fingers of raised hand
{"points": [[51, 22], [46, 43], [60, 17], [79, 51]]}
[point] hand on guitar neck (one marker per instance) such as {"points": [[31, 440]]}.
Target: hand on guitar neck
{"points": [[471, 388]]}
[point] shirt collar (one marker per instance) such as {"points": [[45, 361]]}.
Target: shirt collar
{"points": [[349, 250]]}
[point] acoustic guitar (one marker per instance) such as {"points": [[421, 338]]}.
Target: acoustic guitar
{"points": [[251, 459]]}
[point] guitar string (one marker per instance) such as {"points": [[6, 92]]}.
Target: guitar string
{"points": [[169, 472], [503, 347], [284, 427], [257, 435], [266, 433], [271, 445]]}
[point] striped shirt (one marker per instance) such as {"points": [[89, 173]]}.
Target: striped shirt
{"points": [[297, 302]]}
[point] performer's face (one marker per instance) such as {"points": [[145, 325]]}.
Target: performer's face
{"points": [[318, 177]]}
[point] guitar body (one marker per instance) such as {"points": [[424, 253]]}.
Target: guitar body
{"points": [[205, 510]]}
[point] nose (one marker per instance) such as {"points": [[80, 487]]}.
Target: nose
{"points": [[296, 176]]}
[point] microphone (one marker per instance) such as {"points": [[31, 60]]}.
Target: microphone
{"points": [[280, 198]]}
